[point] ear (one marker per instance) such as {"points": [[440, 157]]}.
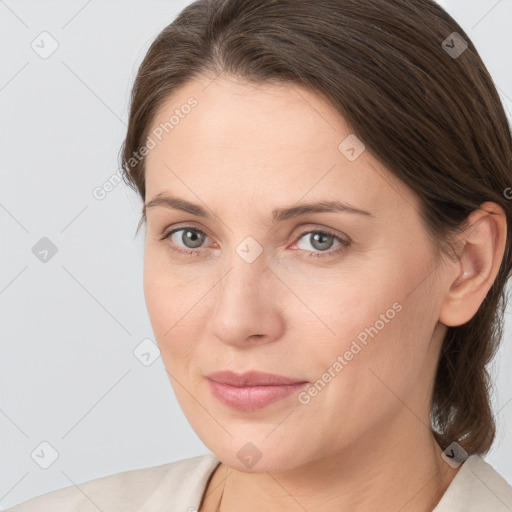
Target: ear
{"points": [[473, 274]]}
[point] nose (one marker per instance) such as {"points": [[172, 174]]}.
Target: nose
{"points": [[246, 306]]}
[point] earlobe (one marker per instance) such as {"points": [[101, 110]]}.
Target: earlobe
{"points": [[475, 271]]}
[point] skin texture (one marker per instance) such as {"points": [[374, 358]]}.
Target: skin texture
{"points": [[364, 441]]}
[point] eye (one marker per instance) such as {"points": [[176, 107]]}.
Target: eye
{"points": [[322, 241], [191, 238]]}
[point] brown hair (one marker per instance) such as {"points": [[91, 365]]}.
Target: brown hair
{"points": [[434, 118]]}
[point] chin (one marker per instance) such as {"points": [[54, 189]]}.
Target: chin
{"points": [[254, 451]]}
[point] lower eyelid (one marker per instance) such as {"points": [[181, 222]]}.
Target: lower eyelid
{"points": [[339, 249]]}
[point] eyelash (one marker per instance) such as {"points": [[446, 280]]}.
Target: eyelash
{"points": [[312, 254]]}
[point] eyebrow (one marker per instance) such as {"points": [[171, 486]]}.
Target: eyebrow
{"points": [[280, 214]]}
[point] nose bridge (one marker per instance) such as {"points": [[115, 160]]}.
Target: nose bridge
{"points": [[246, 272], [243, 307]]}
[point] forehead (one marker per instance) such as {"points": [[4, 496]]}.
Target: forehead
{"points": [[253, 142], [229, 113]]}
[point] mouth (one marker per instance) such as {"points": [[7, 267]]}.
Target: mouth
{"points": [[252, 390]]}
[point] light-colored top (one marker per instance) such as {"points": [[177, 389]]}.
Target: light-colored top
{"points": [[179, 487]]}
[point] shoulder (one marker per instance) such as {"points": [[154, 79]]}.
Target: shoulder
{"points": [[477, 487], [129, 491]]}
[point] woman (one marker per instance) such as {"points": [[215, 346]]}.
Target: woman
{"points": [[327, 244]]}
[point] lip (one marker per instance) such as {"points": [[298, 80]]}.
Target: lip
{"points": [[252, 378], [251, 390]]}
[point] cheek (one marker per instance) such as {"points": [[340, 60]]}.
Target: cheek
{"points": [[358, 373], [174, 300], [365, 322], [383, 352], [166, 293], [159, 300], [340, 307], [367, 332]]}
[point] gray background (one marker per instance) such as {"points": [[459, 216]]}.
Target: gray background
{"points": [[69, 326]]}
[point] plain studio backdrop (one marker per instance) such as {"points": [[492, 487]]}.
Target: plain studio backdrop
{"points": [[80, 397]]}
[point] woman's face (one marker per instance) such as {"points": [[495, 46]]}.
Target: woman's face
{"points": [[344, 302]]}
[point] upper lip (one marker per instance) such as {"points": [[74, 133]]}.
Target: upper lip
{"points": [[252, 378]]}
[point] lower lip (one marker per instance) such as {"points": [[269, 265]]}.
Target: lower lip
{"points": [[251, 398]]}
